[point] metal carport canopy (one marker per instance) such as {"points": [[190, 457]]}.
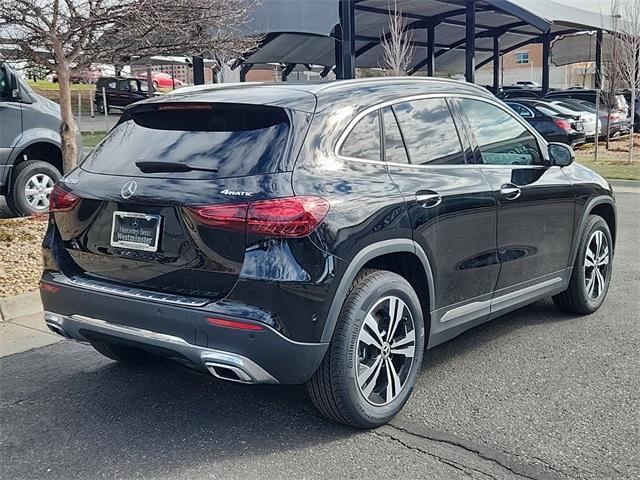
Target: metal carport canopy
{"points": [[304, 31]]}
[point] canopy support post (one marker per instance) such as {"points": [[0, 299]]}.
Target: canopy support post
{"points": [[244, 70], [287, 70], [198, 70], [496, 63], [599, 40], [470, 48], [546, 56], [346, 41], [431, 50]]}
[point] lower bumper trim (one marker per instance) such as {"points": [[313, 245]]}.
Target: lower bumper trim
{"points": [[218, 362]]}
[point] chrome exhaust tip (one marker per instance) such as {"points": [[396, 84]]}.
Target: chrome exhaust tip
{"points": [[229, 372], [57, 330], [54, 323]]}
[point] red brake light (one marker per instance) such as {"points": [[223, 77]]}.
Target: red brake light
{"points": [[62, 200], [286, 217], [238, 325], [186, 106], [228, 217], [563, 124], [290, 217]]}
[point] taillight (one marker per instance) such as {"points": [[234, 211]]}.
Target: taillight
{"points": [[563, 124], [290, 217], [62, 200], [228, 217]]}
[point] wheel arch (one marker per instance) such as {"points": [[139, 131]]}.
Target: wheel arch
{"points": [[45, 150], [604, 207], [386, 255]]}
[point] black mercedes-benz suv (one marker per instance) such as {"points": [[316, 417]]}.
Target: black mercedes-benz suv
{"points": [[324, 234]]}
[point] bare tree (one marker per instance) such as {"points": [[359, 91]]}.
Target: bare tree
{"points": [[397, 49], [584, 69], [628, 59], [64, 35]]}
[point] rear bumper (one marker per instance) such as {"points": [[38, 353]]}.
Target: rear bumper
{"points": [[179, 331]]}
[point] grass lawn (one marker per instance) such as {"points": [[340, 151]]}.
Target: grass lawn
{"points": [[92, 139], [45, 85], [612, 163]]}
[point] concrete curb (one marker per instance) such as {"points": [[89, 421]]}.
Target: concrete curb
{"points": [[20, 306]]}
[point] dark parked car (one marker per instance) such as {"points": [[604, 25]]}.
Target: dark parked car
{"points": [[614, 106], [532, 93], [120, 92], [323, 233], [551, 123], [636, 114]]}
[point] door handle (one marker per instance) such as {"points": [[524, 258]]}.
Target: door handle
{"points": [[510, 191], [428, 198]]}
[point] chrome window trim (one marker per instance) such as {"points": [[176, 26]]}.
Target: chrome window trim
{"points": [[542, 143]]}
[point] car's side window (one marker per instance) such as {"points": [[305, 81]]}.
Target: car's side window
{"points": [[124, 85], [364, 139], [4, 85], [502, 140], [429, 132], [394, 150]]}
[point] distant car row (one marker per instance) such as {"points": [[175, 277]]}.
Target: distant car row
{"points": [[569, 116]]}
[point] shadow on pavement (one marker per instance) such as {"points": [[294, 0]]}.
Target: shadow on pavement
{"points": [[78, 407]]}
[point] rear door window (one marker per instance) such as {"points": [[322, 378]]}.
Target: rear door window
{"points": [[363, 141], [429, 132], [213, 139]]}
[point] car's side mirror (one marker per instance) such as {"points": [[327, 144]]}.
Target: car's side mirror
{"points": [[14, 90], [561, 155]]}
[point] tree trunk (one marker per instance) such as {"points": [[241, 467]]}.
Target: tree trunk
{"points": [[633, 113], [68, 124]]}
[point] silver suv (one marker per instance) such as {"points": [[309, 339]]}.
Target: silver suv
{"points": [[30, 153]]}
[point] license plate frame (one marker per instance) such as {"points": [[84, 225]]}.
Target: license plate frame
{"points": [[151, 233]]}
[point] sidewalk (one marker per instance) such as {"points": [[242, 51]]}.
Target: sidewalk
{"points": [[25, 333]]}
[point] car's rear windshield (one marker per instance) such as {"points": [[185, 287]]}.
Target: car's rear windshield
{"points": [[214, 139]]}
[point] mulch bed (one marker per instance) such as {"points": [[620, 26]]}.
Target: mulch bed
{"points": [[21, 254]]}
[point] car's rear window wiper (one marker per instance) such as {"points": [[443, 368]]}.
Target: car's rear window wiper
{"points": [[157, 167]]}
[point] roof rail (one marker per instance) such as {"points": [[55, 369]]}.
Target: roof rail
{"points": [[345, 83]]}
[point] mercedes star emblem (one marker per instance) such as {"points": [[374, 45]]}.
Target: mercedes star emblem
{"points": [[128, 189]]}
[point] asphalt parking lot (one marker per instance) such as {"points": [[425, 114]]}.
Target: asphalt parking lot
{"points": [[536, 394]]}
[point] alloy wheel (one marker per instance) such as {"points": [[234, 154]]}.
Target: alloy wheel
{"points": [[596, 264], [386, 350], [37, 191]]}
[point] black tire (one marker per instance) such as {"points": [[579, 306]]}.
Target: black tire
{"points": [[16, 198], [124, 354], [334, 387], [576, 298], [100, 107]]}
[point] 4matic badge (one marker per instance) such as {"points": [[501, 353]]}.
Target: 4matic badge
{"points": [[237, 193]]}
